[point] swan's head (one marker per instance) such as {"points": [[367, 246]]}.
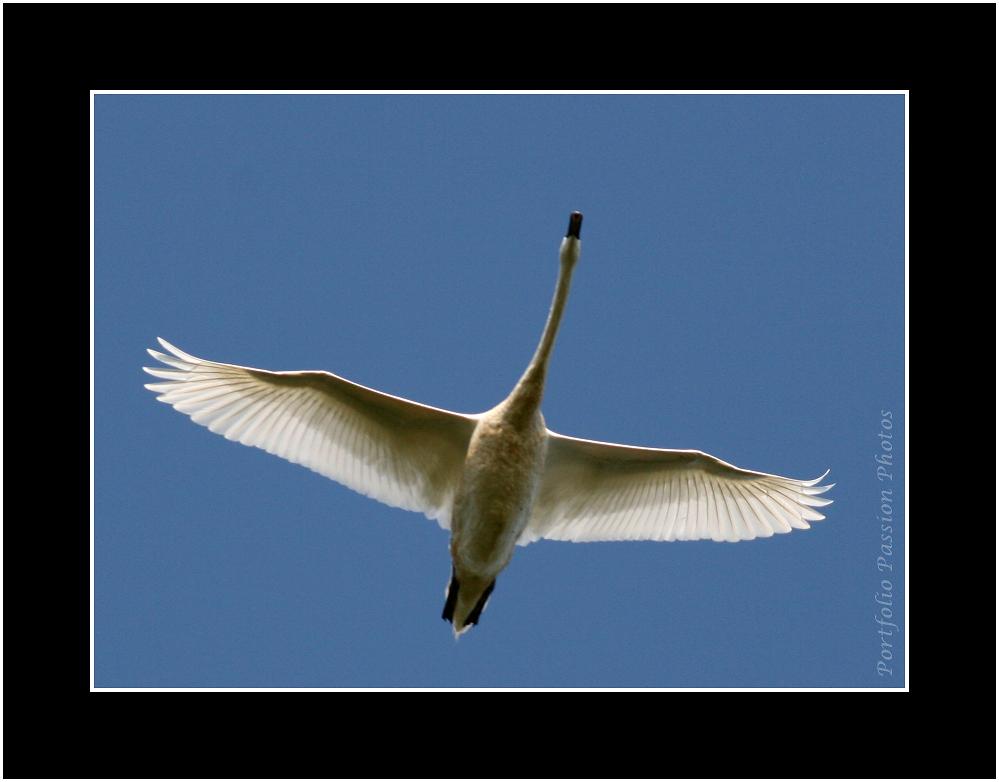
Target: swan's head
{"points": [[568, 253]]}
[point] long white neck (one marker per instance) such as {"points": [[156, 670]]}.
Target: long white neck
{"points": [[526, 396]]}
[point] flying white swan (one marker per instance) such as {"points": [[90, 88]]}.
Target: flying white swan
{"points": [[495, 479]]}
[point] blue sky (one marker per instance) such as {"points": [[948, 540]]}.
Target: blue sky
{"points": [[740, 292]]}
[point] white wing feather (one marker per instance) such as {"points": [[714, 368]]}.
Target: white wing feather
{"points": [[593, 491], [399, 452]]}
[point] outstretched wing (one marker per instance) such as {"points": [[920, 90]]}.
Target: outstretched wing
{"points": [[601, 491], [399, 452]]}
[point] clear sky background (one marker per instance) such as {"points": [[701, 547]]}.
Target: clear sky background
{"points": [[740, 291]]}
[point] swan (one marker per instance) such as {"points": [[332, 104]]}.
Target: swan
{"points": [[494, 479]]}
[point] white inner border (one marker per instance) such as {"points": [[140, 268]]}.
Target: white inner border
{"points": [[904, 688]]}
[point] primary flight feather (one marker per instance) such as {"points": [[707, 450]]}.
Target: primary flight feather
{"points": [[494, 479]]}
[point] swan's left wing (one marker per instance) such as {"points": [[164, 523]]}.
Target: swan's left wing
{"points": [[396, 451], [601, 491]]}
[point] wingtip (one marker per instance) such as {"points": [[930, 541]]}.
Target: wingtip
{"points": [[815, 491], [171, 348], [814, 480], [158, 388], [178, 353]]}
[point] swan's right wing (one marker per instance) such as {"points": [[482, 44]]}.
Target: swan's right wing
{"points": [[602, 491], [399, 452]]}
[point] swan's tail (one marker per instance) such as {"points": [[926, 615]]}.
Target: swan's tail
{"points": [[458, 607]]}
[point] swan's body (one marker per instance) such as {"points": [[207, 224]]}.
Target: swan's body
{"points": [[495, 479]]}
